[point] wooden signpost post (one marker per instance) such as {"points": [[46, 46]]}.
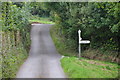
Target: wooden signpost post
{"points": [[81, 42]]}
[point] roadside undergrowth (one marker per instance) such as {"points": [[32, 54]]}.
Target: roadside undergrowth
{"points": [[12, 60], [0, 66], [15, 48], [60, 43], [88, 67]]}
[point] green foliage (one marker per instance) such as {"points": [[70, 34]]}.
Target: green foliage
{"points": [[0, 65], [43, 20], [85, 68], [60, 42], [101, 53], [12, 60], [13, 17], [99, 22], [39, 9], [15, 36], [15, 47]]}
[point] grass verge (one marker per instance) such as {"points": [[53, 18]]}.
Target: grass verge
{"points": [[59, 42], [83, 68], [41, 20]]}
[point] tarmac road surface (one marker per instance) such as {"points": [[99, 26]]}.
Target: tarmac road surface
{"points": [[43, 60]]}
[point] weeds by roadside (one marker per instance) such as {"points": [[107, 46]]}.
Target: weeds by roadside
{"points": [[11, 62], [86, 67]]}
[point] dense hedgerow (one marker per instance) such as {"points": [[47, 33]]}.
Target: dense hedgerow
{"points": [[99, 23], [15, 36]]}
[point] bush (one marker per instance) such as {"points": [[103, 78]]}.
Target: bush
{"points": [[15, 37], [97, 21], [11, 62]]}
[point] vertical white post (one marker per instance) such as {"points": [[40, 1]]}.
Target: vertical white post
{"points": [[81, 42], [79, 51], [79, 34]]}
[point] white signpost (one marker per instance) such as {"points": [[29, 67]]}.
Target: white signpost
{"points": [[81, 42]]}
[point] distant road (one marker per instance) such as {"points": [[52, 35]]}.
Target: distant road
{"points": [[43, 60]]}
